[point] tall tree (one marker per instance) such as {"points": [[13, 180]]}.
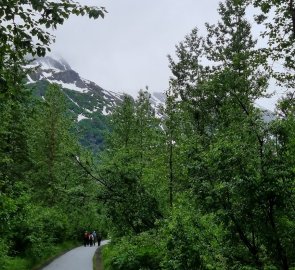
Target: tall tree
{"points": [[51, 145], [222, 165], [130, 207], [23, 32]]}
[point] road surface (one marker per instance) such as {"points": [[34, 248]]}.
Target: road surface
{"points": [[77, 259]]}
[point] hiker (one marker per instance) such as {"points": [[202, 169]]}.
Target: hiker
{"points": [[91, 239], [86, 239], [94, 237], [98, 237]]}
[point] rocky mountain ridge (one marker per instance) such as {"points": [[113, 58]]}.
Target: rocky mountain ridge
{"points": [[89, 103], [59, 71]]}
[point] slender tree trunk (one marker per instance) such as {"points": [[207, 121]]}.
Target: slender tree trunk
{"points": [[251, 246], [171, 172], [292, 10]]}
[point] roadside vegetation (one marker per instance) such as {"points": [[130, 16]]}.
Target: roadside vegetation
{"points": [[209, 185], [46, 197]]}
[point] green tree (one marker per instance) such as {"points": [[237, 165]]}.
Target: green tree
{"points": [[177, 136], [14, 163], [278, 19], [51, 143], [130, 207], [62, 192], [23, 32], [227, 141], [278, 180], [24, 22]]}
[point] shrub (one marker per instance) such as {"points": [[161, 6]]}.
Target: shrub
{"points": [[141, 252]]}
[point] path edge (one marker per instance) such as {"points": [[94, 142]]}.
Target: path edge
{"points": [[97, 259]]}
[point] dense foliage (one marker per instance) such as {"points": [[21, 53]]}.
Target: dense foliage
{"points": [[213, 178], [209, 185], [91, 131], [46, 197]]}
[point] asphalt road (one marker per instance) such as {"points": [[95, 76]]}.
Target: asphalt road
{"points": [[77, 259]]}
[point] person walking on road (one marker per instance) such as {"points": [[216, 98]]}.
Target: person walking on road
{"points": [[98, 237], [86, 239], [90, 239], [94, 237]]}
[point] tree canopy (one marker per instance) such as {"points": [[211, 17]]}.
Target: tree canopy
{"points": [[204, 182]]}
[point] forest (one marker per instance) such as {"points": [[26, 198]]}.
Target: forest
{"points": [[209, 185]]}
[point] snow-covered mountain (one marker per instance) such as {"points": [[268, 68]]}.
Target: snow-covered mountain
{"points": [[77, 89], [89, 102]]}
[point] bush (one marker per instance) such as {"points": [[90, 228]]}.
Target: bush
{"points": [[16, 264], [42, 230], [141, 252], [190, 240], [3, 252]]}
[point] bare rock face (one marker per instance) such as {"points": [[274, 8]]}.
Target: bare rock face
{"points": [[67, 76], [57, 70]]}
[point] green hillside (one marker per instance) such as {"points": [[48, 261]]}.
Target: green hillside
{"points": [[90, 130]]}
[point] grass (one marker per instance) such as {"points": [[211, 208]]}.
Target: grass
{"points": [[17, 264]]}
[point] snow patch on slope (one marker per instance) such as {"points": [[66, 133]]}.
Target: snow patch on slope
{"points": [[81, 117], [30, 79], [104, 111], [53, 62], [70, 86]]}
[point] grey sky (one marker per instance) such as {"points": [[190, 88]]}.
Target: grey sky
{"points": [[128, 49]]}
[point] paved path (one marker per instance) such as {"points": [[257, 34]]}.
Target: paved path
{"points": [[77, 259]]}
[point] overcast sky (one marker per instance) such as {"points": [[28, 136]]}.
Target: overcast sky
{"points": [[128, 49]]}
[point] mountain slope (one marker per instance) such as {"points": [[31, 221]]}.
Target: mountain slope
{"points": [[59, 71], [89, 103]]}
